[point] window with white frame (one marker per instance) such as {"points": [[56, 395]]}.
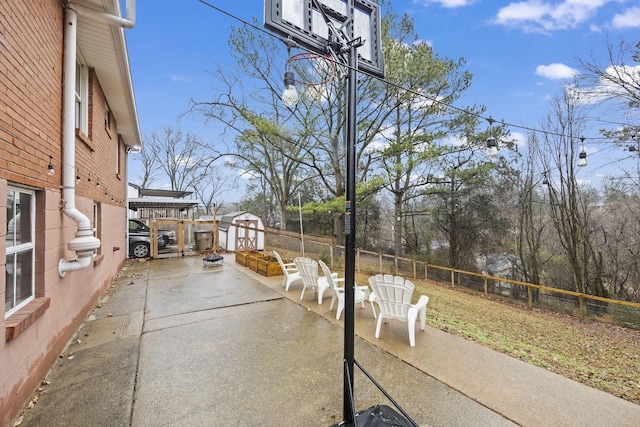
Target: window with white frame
{"points": [[20, 252], [82, 98]]}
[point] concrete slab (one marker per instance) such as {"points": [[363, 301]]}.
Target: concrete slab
{"points": [[225, 346], [91, 387]]}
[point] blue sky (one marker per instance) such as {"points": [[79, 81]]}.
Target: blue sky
{"points": [[518, 52]]}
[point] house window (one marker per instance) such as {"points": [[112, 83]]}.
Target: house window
{"points": [[82, 98], [20, 266]]}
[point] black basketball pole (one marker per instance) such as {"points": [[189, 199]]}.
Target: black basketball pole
{"points": [[350, 225]]}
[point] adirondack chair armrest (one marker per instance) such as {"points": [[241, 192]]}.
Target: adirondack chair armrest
{"points": [[422, 302], [365, 289]]}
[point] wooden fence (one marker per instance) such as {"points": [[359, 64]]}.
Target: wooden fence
{"points": [[584, 306]]}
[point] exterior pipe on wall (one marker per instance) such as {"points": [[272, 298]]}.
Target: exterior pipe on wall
{"points": [[84, 243]]}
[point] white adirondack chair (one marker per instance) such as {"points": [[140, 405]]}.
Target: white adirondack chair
{"points": [[361, 293], [291, 273], [393, 295], [308, 269]]}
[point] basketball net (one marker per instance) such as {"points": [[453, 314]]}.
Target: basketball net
{"points": [[314, 71]]}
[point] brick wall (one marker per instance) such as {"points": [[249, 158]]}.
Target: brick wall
{"points": [[30, 90], [31, 76]]}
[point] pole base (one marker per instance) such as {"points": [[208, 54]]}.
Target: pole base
{"points": [[378, 416]]}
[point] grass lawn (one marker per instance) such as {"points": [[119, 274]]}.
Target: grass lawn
{"points": [[598, 354]]}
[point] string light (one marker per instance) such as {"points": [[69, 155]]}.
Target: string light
{"points": [[290, 94], [50, 168], [582, 157], [492, 146]]}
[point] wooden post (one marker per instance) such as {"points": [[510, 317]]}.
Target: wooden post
{"points": [[580, 308]]}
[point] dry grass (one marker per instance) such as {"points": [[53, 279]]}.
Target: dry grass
{"points": [[600, 355]]}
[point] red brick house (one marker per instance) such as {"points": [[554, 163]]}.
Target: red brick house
{"points": [[67, 122]]}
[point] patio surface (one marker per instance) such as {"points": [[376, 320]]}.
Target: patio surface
{"points": [[174, 343]]}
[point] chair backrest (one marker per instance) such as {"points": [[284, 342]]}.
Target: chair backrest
{"points": [[308, 269], [279, 258], [393, 295], [327, 274]]}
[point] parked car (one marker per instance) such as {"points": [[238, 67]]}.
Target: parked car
{"points": [[140, 239], [168, 234]]}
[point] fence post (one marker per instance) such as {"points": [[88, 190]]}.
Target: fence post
{"points": [[395, 262], [453, 277], [380, 261], [529, 297], [358, 259], [426, 271], [331, 254], [415, 276], [580, 308], [485, 284]]}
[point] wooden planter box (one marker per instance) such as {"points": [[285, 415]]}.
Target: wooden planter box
{"points": [[252, 261], [242, 256], [269, 267]]}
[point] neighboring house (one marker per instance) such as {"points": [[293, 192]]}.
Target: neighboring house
{"points": [[67, 122], [238, 231]]}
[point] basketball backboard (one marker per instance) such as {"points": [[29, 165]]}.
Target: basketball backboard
{"points": [[303, 22]]}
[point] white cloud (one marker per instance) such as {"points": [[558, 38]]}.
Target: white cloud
{"points": [[606, 90], [449, 4], [179, 78], [556, 71], [629, 19], [519, 138], [538, 16]]}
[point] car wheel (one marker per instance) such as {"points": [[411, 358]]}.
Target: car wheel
{"points": [[139, 250]]}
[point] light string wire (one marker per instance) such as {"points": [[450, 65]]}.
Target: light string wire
{"points": [[412, 91], [52, 159]]}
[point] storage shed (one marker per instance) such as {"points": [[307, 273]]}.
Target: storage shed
{"points": [[241, 231]]}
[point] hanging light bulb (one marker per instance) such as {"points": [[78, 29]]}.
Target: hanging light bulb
{"points": [[290, 94], [492, 146], [582, 157], [50, 168]]}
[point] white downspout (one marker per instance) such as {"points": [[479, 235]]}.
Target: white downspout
{"points": [[84, 243]]}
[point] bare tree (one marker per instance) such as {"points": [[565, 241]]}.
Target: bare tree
{"points": [[617, 80], [532, 220], [569, 202], [184, 162]]}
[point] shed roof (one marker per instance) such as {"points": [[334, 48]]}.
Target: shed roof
{"points": [[162, 203]]}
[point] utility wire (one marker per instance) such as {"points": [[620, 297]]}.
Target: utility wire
{"points": [[399, 86]]}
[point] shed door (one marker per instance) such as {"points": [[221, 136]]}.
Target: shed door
{"points": [[246, 235]]}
